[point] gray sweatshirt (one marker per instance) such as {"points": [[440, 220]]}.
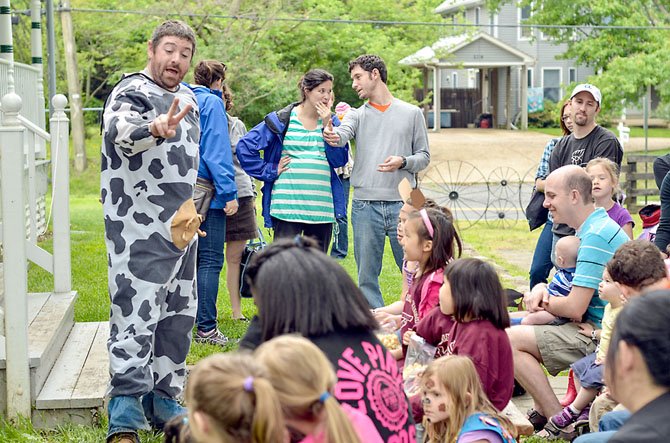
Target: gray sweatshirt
{"points": [[245, 187], [400, 130]]}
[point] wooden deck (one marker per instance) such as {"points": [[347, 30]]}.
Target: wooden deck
{"points": [[69, 366]]}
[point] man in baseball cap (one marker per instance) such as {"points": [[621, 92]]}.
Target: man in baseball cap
{"points": [[587, 141], [591, 89]]}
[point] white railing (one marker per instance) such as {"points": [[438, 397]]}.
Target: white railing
{"points": [[15, 135], [26, 79]]}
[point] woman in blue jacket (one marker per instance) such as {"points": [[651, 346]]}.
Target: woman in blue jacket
{"points": [[216, 165], [301, 192]]}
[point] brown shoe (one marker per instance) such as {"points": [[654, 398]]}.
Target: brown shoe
{"points": [[124, 437]]}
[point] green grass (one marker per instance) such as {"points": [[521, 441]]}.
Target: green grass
{"points": [[89, 278]]}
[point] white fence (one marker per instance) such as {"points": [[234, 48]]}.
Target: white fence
{"points": [[26, 84], [26, 81], [16, 134]]}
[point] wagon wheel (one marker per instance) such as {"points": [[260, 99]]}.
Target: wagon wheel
{"points": [[502, 213], [504, 183], [526, 187], [461, 187]]}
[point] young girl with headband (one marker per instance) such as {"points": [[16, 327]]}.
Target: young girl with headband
{"points": [[304, 380], [430, 239], [231, 400]]}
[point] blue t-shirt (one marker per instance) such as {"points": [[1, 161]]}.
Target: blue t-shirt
{"points": [[599, 237]]}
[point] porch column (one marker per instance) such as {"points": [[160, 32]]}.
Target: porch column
{"points": [[485, 72], [437, 83], [424, 70], [524, 97], [508, 98], [36, 58]]}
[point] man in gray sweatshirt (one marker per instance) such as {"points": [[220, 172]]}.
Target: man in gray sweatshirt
{"points": [[391, 144]]}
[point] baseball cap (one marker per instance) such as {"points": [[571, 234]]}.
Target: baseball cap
{"points": [[591, 89]]}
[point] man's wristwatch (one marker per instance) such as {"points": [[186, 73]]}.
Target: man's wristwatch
{"points": [[404, 163], [594, 335]]}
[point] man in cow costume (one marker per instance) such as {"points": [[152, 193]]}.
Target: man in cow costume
{"points": [[149, 168]]}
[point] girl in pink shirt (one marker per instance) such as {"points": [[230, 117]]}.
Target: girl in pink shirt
{"points": [[304, 380], [431, 240]]}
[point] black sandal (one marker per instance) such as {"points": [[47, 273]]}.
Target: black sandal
{"points": [[552, 432], [538, 420]]}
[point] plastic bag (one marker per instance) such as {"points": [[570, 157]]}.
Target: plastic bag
{"points": [[419, 355]]}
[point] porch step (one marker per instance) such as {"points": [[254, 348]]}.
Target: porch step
{"points": [[50, 319], [75, 389]]}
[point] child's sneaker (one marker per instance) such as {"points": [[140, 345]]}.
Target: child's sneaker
{"points": [[564, 418], [583, 417], [213, 337]]}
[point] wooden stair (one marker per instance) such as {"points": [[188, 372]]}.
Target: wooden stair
{"points": [[69, 367]]}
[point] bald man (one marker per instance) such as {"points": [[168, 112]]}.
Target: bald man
{"points": [[568, 198]]}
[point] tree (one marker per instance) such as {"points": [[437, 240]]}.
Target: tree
{"points": [[265, 48], [628, 46]]}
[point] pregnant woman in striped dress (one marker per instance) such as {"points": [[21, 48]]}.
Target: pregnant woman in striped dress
{"points": [[301, 192]]}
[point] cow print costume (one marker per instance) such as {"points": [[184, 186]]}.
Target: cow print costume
{"points": [[150, 223]]}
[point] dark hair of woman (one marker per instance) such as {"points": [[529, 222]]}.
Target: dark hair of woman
{"points": [[298, 288], [643, 323], [312, 79], [206, 72], [477, 292]]}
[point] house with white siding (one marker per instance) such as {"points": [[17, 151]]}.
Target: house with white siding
{"points": [[489, 67]]}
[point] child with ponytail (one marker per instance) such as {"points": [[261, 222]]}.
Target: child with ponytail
{"points": [[231, 400], [304, 380]]}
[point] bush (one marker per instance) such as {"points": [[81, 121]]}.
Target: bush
{"points": [[548, 118]]}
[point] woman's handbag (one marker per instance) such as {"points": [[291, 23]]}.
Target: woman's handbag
{"points": [[202, 196], [252, 248], [536, 213]]}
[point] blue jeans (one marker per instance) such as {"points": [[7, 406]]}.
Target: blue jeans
{"points": [[373, 221], [595, 437], [613, 420], [130, 414], [210, 262], [541, 265], [609, 425], [341, 240]]}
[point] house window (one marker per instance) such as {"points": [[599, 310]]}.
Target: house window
{"points": [[493, 25], [478, 12], [525, 33], [454, 80], [530, 77], [572, 75], [551, 84]]}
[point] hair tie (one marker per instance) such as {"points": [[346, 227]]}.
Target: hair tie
{"points": [[323, 397], [248, 384], [426, 221]]}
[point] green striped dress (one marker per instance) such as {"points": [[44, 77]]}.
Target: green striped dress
{"points": [[303, 193]]}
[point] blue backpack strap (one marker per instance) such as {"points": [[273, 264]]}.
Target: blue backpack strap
{"points": [[484, 422]]}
